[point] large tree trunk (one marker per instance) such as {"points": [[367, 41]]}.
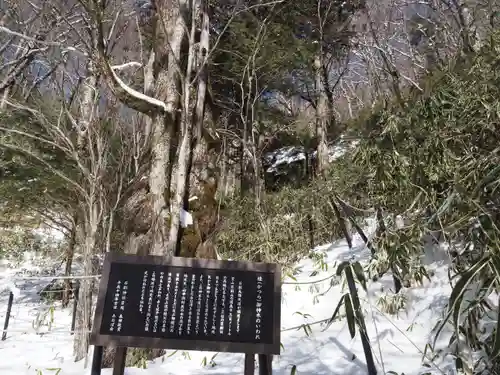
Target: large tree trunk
{"points": [[158, 184], [170, 32], [188, 124], [179, 194]]}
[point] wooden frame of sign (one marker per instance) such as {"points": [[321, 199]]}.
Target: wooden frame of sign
{"points": [[117, 273]]}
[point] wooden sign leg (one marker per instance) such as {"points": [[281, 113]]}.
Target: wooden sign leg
{"points": [[120, 358], [265, 364], [97, 360], [249, 364]]}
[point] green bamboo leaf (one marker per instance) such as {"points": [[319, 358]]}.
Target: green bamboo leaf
{"points": [[351, 320], [304, 315], [443, 207], [360, 275], [171, 354], [329, 323], [496, 343], [341, 267], [495, 262], [490, 177], [307, 329], [461, 286], [424, 272], [456, 294]]}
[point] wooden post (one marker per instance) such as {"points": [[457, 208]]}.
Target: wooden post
{"points": [[249, 364], [7, 316], [97, 360], [120, 359], [75, 305], [265, 364]]}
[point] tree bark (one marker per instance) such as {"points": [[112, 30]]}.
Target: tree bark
{"points": [[158, 184], [90, 209], [322, 117], [84, 310], [70, 252], [170, 33], [187, 124]]}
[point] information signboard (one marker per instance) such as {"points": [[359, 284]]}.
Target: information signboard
{"points": [[188, 304]]}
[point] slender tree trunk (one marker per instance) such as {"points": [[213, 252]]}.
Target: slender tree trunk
{"points": [[391, 73], [8, 80], [201, 160], [88, 98], [224, 175], [465, 21], [244, 180], [344, 224], [309, 217], [70, 252], [257, 185], [84, 310], [322, 118], [349, 214]]}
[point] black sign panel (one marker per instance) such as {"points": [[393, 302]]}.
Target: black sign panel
{"points": [[189, 304]]}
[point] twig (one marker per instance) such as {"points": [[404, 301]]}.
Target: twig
{"points": [[83, 277]]}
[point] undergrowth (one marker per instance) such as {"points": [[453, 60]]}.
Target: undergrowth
{"points": [[435, 162]]}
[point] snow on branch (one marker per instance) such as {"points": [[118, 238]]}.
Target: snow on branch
{"points": [[130, 97], [127, 65]]}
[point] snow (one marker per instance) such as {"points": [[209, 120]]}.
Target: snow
{"points": [[39, 337], [284, 156], [186, 218]]}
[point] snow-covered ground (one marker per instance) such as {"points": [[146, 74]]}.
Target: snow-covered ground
{"points": [[39, 341]]}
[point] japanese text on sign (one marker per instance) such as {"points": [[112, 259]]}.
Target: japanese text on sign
{"points": [[173, 302]]}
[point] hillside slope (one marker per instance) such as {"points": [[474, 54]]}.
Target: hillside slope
{"points": [[398, 340]]}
